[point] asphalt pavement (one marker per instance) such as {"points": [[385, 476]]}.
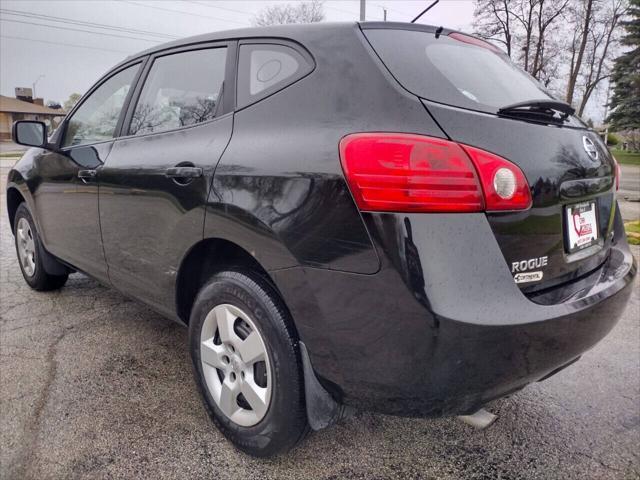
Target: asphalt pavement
{"points": [[629, 193], [94, 385], [11, 147]]}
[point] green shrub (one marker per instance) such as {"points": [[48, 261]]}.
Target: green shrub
{"points": [[613, 140]]}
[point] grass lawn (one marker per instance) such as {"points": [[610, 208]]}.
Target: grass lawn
{"points": [[633, 232], [630, 158]]}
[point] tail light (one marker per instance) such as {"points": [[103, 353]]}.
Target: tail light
{"points": [[495, 172], [474, 41], [400, 172]]}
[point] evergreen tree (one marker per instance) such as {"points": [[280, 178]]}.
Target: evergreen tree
{"points": [[625, 102]]}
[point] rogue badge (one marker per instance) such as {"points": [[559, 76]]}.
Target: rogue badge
{"points": [[522, 269]]}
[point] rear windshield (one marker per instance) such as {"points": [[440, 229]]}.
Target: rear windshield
{"points": [[451, 71]]}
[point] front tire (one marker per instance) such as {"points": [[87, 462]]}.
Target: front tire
{"points": [[247, 364], [28, 249]]}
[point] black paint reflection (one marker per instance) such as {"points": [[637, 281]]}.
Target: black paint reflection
{"points": [[313, 214], [86, 157], [415, 280]]}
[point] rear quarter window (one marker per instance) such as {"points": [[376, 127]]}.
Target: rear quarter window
{"points": [[265, 68]]}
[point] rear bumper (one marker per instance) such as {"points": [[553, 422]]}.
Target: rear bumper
{"points": [[442, 328]]}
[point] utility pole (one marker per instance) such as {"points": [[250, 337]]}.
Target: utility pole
{"points": [[384, 10], [363, 8], [606, 106], [34, 85]]}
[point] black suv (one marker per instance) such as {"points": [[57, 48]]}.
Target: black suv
{"points": [[377, 215]]}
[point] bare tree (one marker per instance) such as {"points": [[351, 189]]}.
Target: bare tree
{"points": [[584, 12], [524, 14], [547, 13], [602, 37], [71, 101], [566, 44], [306, 12], [493, 21], [522, 26]]}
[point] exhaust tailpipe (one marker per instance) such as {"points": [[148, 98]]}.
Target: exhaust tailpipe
{"points": [[480, 420]]}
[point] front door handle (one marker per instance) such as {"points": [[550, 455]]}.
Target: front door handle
{"points": [[86, 175], [184, 172]]}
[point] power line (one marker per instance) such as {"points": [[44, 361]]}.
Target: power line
{"points": [[353, 14], [408, 15], [155, 7], [208, 5], [341, 10], [78, 30], [61, 43], [72, 21]]}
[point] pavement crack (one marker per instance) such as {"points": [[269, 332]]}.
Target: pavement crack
{"points": [[599, 462], [18, 355], [33, 427], [25, 459]]}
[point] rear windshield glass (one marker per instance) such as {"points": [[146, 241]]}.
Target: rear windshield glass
{"points": [[454, 72]]}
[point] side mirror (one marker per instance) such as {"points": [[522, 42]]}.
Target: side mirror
{"points": [[30, 133]]}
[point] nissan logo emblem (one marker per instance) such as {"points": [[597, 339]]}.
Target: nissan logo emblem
{"points": [[590, 148]]}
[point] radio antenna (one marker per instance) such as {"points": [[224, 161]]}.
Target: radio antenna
{"points": [[425, 11]]}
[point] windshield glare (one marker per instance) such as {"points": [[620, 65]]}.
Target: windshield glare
{"points": [[450, 71], [483, 76]]}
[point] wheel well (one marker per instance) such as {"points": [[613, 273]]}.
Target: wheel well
{"points": [[204, 260], [14, 199]]}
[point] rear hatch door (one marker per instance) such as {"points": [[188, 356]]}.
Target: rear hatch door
{"points": [[464, 84]]}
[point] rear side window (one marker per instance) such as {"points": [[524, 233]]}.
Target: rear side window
{"points": [[264, 69], [181, 89], [452, 71]]}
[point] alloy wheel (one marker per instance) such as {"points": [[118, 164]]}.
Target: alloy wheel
{"points": [[236, 366], [26, 247]]}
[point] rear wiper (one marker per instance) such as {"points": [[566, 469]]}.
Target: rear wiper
{"points": [[546, 108]]}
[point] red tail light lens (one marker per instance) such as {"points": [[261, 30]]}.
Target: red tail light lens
{"points": [[474, 41], [400, 172], [494, 172], [409, 173], [617, 173]]}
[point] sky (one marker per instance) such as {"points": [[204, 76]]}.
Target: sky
{"points": [[72, 56]]}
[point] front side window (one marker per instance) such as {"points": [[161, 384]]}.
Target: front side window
{"points": [[266, 68], [181, 89], [96, 119]]}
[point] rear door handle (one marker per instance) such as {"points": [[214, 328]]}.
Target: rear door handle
{"points": [[85, 175], [184, 172]]}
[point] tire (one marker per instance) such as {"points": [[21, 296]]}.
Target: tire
{"points": [[261, 432], [29, 251]]}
